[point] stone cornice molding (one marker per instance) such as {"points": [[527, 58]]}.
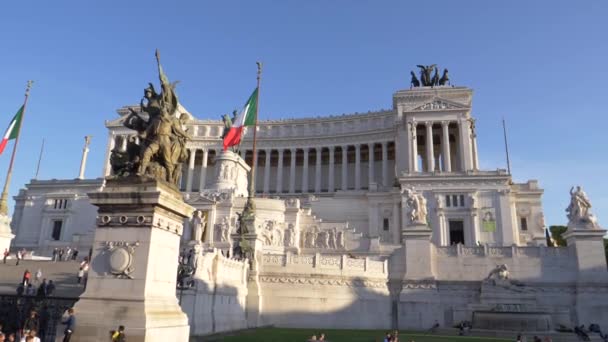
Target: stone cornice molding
{"points": [[307, 279]]}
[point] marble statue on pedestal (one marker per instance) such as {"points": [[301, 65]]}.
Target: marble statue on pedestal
{"points": [[416, 207], [579, 210], [199, 225]]}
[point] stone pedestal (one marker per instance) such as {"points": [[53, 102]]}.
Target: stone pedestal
{"points": [[588, 246], [6, 236], [416, 239], [231, 174], [132, 278]]}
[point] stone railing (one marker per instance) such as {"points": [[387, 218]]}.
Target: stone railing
{"points": [[326, 264], [501, 252]]}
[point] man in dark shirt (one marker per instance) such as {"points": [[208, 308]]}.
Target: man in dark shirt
{"points": [[70, 324]]}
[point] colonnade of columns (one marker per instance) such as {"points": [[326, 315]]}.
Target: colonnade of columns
{"points": [[447, 146], [297, 170], [311, 169]]}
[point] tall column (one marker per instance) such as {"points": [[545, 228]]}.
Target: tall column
{"points": [[267, 171], [344, 168], [319, 152], [305, 172], [385, 163], [445, 143], [190, 170], [414, 135], [107, 169], [370, 165], [474, 229], [465, 144], [279, 187], [396, 227], [203, 179], [430, 157], [474, 145], [331, 177], [292, 171], [357, 167]]}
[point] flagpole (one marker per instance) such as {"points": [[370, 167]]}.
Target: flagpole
{"points": [[39, 159], [504, 131], [4, 198], [254, 161]]}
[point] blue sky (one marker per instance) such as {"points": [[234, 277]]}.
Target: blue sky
{"points": [[539, 64]]}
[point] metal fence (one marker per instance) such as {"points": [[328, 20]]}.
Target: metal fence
{"points": [[14, 310]]}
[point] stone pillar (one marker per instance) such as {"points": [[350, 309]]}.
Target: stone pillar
{"points": [[279, 187], [465, 145], [107, 168], [318, 152], [506, 223], [190, 170], [123, 142], [331, 176], [344, 168], [447, 161], [385, 164], [370, 165], [305, 172], [203, 179], [132, 279], [474, 145], [357, 167], [474, 229], [414, 136], [396, 224], [292, 171], [267, 167], [430, 155]]}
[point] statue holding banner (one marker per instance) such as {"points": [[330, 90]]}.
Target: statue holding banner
{"points": [[161, 148]]}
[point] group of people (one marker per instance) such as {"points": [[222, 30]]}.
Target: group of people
{"points": [[26, 286], [65, 254], [321, 337], [27, 331], [19, 255]]}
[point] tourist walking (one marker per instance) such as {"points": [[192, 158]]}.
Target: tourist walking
{"points": [[5, 255], [75, 253], [38, 276], [119, 335], [61, 254], [18, 256], [55, 254], [42, 289], [80, 274], [31, 323], [26, 277], [70, 324], [50, 288]]}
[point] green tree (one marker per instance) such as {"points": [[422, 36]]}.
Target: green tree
{"points": [[556, 234]]}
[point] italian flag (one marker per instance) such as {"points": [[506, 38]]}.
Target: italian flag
{"points": [[13, 129], [245, 118]]}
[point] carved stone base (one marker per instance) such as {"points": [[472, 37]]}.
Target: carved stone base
{"points": [[132, 279]]}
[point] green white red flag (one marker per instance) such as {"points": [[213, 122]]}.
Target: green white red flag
{"points": [[244, 119], [13, 129]]}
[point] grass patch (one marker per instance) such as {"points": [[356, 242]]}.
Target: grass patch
{"points": [[302, 335]]}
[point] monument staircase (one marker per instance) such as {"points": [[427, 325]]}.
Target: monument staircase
{"points": [[62, 273]]}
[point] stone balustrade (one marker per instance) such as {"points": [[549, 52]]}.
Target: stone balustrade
{"points": [[329, 264], [503, 252]]}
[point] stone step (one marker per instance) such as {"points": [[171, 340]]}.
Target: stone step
{"points": [[63, 273]]}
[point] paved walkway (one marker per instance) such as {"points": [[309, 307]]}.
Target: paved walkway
{"points": [[64, 274]]}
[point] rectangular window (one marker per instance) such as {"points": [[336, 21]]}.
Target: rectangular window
{"points": [[456, 230], [523, 223], [454, 200], [447, 201], [462, 200], [385, 224], [56, 234]]}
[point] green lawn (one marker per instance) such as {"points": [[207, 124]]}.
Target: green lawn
{"points": [[302, 335]]}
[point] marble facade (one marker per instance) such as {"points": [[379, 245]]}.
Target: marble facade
{"points": [[335, 242]]}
